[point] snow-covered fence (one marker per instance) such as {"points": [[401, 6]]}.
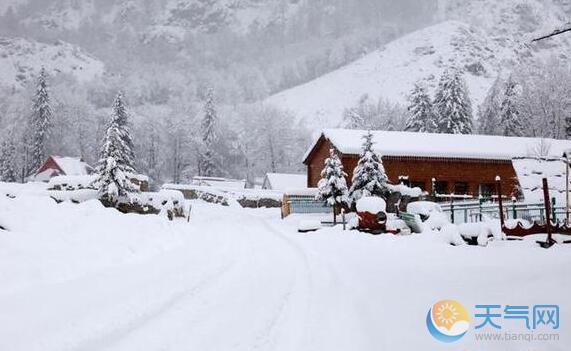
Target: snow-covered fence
{"points": [[251, 198], [477, 211], [303, 201]]}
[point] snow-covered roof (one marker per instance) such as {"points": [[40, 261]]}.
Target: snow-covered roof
{"points": [[217, 181], [72, 166], [472, 146], [530, 173], [284, 181]]}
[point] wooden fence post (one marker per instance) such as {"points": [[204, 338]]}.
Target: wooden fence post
{"points": [[549, 242], [500, 204]]}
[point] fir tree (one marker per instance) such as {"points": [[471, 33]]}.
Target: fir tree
{"points": [[452, 104], [333, 186], [207, 162], [353, 119], [510, 118], [369, 177], [116, 157], [113, 184], [40, 123], [7, 160], [421, 113], [488, 113], [118, 142]]}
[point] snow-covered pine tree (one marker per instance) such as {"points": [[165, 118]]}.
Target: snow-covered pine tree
{"points": [[452, 104], [40, 123], [116, 160], [369, 177], [421, 112], [207, 162], [7, 160], [113, 183], [352, 119], [333, 186], [488, 114], [117, 141], [510, 118]]}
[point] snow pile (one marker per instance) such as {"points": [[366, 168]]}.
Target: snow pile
{"points": [[307, 225], [230, 193], [423, 208], [371, 204], [482, 231], [71, 182], [405, 190]]}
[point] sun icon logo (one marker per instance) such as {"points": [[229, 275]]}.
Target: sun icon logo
{"points": [[447, 320]]}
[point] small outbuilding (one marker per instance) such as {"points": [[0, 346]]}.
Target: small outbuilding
{"points": [[61, 166], [284, 181]]}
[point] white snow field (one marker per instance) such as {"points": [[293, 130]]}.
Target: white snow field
{"points": [[83, 277]]}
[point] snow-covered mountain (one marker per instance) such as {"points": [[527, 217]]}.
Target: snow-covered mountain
{"points": [[21, 59], [484, 38]]}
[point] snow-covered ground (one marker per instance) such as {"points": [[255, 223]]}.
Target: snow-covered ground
{"points": [[83, 277]]}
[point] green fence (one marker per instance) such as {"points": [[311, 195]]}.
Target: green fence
{"points": [[475, 211], [305, 204]]}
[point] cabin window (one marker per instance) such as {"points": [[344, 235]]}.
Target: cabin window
{"points": [[487, 189], [461, 188], [441, 187], [417, 185]]}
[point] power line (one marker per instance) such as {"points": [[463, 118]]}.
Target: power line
{"points": [[555, 32]]}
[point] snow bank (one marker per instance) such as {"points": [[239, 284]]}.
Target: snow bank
{"points": [[71, 182], [371, 204], [405, 190], [424, 208]]}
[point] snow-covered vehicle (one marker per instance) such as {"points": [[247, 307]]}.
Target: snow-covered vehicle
{"points": [[372, 216]]}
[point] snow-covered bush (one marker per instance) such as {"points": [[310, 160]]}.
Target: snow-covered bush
{"points": [[423, 208]]}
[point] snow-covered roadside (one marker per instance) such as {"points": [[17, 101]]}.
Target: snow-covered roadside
{"points": [[82, 277]]}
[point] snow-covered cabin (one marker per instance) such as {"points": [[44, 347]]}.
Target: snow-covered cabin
{"points": [[459, 164], [284, 181], [219, 182], [61, 166]]}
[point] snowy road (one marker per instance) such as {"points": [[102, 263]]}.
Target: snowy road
{"points": [[234, 279]]}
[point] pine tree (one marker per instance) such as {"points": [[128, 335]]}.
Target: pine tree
{"points": [[369, 177], [488, 114], [207, 163], [421, 112], [117, 157], [40, 123], [7, 160], [510, 118], [353, 119], [452, 104], [118, 142], [333, 186], [113, 183]]}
